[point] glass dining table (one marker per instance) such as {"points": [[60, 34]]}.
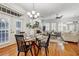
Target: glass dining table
{"points": [[32, 41]]}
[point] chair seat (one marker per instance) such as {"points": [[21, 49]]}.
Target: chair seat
{"points": [[24, 48], [43, 44]]}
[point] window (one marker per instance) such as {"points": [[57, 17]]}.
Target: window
{"points": [[8, 11], [18, 24], [4, 35], [47, 26], [18, 27], [3, 9], [53, 28], [0, 8], [12, 13]]}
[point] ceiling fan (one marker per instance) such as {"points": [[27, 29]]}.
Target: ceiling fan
{"points": [[58, 16]]}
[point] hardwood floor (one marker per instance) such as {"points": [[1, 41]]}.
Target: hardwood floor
{"points": [[55, 49]]}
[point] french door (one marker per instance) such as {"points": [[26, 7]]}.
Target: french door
{"points": [[4, 31]]}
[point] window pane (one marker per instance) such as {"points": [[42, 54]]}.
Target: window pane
{"points": [[18, 24], [0, 25], [3, 36], [6, 36], [6, 25], [3, 25], [47, 26], [0, 36], [3, 9], [0, 8], [8, 11]]}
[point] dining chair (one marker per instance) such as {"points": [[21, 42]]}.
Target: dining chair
{"points": [[44, 45], [60, 36], [21, 45]]}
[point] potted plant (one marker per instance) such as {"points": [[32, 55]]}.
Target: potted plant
{"points": [[35, 25]]}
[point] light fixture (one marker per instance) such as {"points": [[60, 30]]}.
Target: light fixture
{"points": [[33, 14]]}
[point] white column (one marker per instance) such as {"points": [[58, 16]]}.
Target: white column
{"points": [[50, 26], [68, 28], [75, 27]]}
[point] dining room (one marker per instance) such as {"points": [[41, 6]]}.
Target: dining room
{"points": [[39, 29]]}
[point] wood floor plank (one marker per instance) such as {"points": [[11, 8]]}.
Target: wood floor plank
{"points": [[55, 49]]}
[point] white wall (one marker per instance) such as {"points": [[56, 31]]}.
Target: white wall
{"points": [[25, 20], [12, 30]]}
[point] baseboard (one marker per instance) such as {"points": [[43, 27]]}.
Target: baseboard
{"points": [[7, 44], [64, 41], [71, 42]]}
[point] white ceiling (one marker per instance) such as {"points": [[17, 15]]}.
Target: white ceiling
{"points": [[49, 10], [44, 9]]}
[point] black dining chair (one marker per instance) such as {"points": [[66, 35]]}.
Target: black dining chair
{"points": [[44, 45], [21, 45]]}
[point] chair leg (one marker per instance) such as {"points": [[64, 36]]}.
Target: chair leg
{"points": [[34, 50], [31, 52], [46, 51], [18, 53], [39, 49], [25, 53]]}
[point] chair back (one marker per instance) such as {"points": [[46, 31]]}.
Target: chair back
{"points": [[20, 42], [59, 34], [48, 39]]}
